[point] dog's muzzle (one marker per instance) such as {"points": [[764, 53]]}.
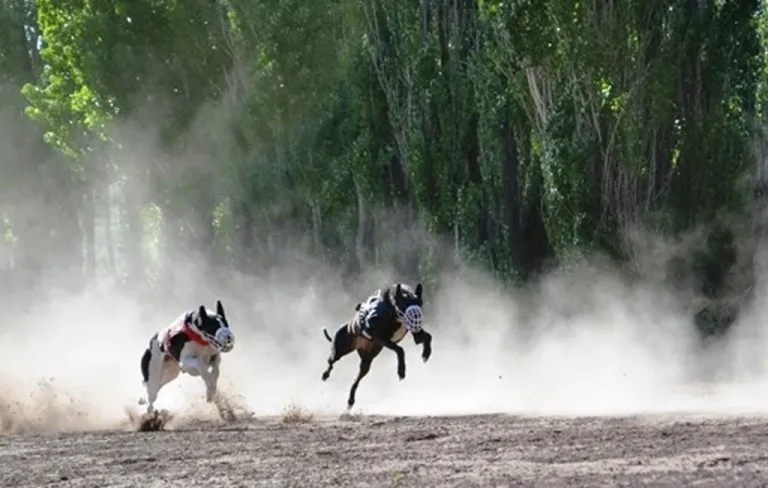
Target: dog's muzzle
{"points": [[412, 318], [223, 340]]}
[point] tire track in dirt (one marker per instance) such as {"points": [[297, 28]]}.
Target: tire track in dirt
{"points": [[488, 450]]}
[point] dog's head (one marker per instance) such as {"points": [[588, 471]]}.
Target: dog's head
{"points": [[214, 327], [408, 302]]}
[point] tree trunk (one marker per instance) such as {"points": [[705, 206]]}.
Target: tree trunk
{"points": [[510, 164], [108, 231], [89, 227], [132, 232], [364, 241]]}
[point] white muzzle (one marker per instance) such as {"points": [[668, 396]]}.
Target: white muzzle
{"points": [[223, 340], [412, 318]]}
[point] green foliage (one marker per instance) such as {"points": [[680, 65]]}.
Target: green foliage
{"points": [[522, 132]]}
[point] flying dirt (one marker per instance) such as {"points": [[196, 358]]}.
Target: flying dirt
{"points": [[517, 389]]}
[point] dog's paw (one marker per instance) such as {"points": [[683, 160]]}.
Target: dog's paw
{"points": [[426, 353]]}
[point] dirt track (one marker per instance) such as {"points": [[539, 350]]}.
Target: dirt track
{"points": [[378, 451]]}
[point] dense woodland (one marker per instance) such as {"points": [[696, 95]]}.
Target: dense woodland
{"points": [[518, 136]]}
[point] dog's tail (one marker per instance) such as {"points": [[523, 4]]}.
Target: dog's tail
{"points": [[327, 335]]}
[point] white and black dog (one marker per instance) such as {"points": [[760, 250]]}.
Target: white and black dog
{"points": [[192, 344]]}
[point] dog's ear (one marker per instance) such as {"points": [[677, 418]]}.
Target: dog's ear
{"points": [[419, 289], [357, 307], [220, 309], [397, 290], [202, 312]]}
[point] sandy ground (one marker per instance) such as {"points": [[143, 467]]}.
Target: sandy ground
{"points": [[488, 450]]}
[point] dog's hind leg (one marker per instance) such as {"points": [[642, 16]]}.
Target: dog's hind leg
{"points": [[366, 358], [169, 371], [343, 344], [154, 372], [145, 359]]}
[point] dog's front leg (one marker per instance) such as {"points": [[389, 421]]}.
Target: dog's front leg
{"points": [[194, 366], [212, 378], [210, 385], [397, 350], [191, 365], [425, 338]]}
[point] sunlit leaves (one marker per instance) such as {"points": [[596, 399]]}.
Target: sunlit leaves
{"points": [[621, 108]]}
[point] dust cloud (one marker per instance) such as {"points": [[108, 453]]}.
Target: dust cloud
{"points": [[582, 343]]}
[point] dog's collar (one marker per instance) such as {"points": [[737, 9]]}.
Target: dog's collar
{"points": [[193, 336]]}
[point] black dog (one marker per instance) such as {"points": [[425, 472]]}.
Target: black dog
{"points": [[380, 322]]}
